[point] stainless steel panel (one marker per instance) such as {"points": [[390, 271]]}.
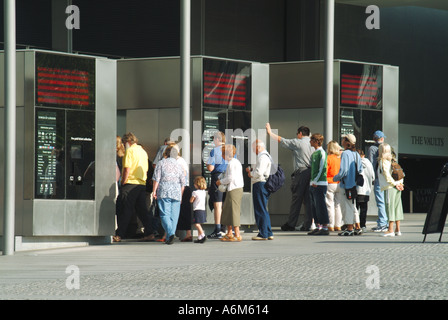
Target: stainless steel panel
{"points": [[48, 217], [20, 174], [29, 134], [105, 153], [196, 115], [287, 121], [148, 83], [152, 126], [144, 123], [296, 85], [2, 165], [260, 96], [247, 210], [391, 105], [80, 217]]}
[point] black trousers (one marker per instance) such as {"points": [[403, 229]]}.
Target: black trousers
{"points": [[185, 216], [300, 186], [133, 200], [362, 204]]}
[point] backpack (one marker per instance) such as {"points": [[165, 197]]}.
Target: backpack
{"points": [[397, 171], [275, 180]]}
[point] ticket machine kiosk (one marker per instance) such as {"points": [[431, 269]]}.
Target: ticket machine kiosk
{"points": [[225, 94], [365, 99], [66, 128]]}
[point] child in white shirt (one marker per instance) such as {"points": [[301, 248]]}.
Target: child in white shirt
{"points": [[198, 199]]}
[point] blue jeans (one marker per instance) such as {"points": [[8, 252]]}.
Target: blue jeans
{"points": [[260, 198], [379, 198], [169, 210], [318, 204]]}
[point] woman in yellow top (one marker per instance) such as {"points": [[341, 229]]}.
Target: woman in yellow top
{"points": [[392, 190], [333, 192]]}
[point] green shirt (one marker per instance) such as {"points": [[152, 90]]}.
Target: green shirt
{"points": [[319, 167]]}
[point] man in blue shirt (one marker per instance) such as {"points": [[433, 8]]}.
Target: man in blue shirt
{"points": [[216, 165], [372, 155]]}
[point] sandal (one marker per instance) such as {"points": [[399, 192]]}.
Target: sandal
{"points": [[237, 239], [227, 238], [161, 240], [116, 239]]}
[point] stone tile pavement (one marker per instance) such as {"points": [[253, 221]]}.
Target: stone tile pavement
{"points": [[294, 266]]}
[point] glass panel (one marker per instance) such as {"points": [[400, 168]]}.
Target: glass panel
{"points": [[241, 120], [361, 86], [371, 121], [80, 155], [350, 123], [65, 81], [50, 157], [226, 84], [214, 120]]}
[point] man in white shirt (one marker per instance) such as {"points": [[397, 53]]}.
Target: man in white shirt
{"points": [[260, 195]]}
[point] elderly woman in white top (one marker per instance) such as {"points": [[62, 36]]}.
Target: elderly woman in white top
{"points": [[233, 179], [392, 190]]}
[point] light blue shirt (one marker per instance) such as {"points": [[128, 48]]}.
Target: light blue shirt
{"points": [[347, 171], [217, 160]]}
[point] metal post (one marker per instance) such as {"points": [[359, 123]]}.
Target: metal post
{"points": [[329, 58], [69, 34], [185, 65], [10, 125]]}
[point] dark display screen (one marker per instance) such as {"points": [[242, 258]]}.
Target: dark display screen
{"points": [[65, 81], [226, 84], [361, 86], [49, 154]]}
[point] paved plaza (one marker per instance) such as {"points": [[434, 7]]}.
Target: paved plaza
{"points": [[293, 266]]}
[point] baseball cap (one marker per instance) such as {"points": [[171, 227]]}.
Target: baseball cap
{"points": [[378, 134], [351, 138]]}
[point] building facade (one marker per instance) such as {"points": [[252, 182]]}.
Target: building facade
{"points": [[412, 35]]}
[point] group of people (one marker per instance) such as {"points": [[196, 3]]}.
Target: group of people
{"points": [[177, 205], [327, 184]]}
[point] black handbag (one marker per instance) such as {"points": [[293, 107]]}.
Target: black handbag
{"points": [[352, 193]]}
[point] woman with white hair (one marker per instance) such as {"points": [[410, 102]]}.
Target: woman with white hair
{"points": [[169, 185], [231, 208], [392, 190]]}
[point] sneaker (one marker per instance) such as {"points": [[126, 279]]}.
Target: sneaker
{"points": [[388, 234], [170, 240], [313, 232], [398, 233], [202, 240], [346, 233], [287, 227], [215, 235], [259, 238], [322, 232], [380, 229], [271, 238], [358, 232]]}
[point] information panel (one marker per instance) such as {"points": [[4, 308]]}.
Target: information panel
{"points": [[361, 86], [65, 81], [226, 84], [49, 154]]}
